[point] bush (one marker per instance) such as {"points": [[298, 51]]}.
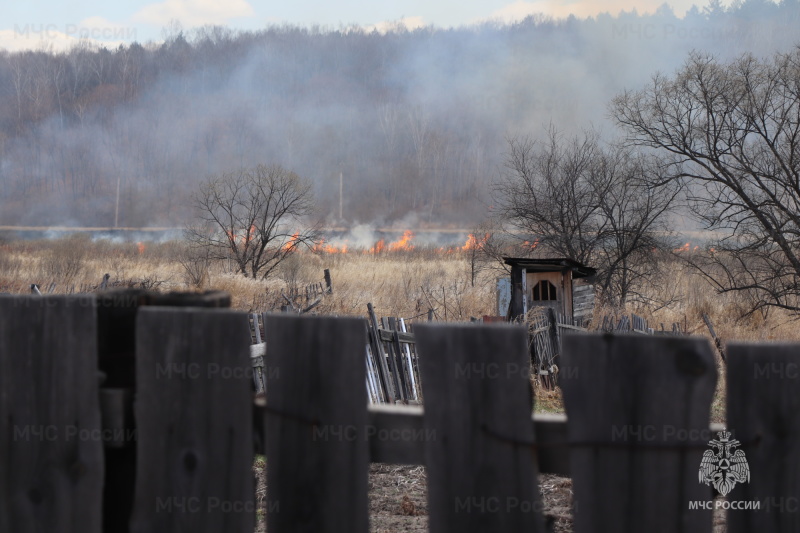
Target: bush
{"points": [[63, 262]]}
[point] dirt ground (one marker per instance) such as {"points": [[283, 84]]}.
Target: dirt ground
{"points": [[398, 499]]}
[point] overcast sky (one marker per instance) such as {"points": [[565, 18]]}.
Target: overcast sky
{"points": [[32, 24]]}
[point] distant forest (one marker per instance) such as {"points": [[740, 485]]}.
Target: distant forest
{"points": [[415, 122]]}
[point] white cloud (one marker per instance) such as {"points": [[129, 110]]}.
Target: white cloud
{"points": [[410, 23], [582, 8], [193, 12]]}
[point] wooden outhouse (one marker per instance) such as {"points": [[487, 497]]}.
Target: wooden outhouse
{"points": [[563, 284]]}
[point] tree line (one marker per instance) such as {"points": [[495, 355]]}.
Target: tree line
{"points": [[414, 121]]}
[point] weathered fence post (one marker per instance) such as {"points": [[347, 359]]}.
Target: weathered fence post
{"points": [[328, 283], [316, 423], [51, 446], [637, 419], [194, 415], [764, 416], [479, 437], [117, 312]]}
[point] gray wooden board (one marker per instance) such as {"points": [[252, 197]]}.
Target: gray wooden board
{"points": [[764, 416], [194, 414], [380, 356], [316, 421], [637, 417], [388, 336], [396, 434], [400, 360], [479, 456], [51, 447]]}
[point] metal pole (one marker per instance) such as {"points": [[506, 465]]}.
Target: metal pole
{"points": [[116, 209]]}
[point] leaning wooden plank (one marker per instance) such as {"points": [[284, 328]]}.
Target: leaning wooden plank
{"points": [[396, 371], [405, 386], [764, 417], [257, 354], [376, 394], [51, 443], [574, 328], [388, 336], [480, 460], [637, 420], [194, 416], [412, 372], [380, 356], [317, 453]]}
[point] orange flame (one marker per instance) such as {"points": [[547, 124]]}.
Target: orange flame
{"points": [[684, 248], [291, 243], [473, 243], [404, 243], [250, 233], [244, 238], [378, 247], [140, 247], [330, 248], [531, 245]]}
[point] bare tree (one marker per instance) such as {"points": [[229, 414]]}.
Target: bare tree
{"points": [[733, 130], [547, 193], [256, 217], [635, 220], [592, 204]]}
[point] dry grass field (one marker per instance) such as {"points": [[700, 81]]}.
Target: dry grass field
{"points": [[405, 283]]}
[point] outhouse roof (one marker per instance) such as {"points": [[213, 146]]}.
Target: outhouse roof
{"points": [[556, 264]]}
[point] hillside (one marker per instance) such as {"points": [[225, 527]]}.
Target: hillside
{"points": [[414, 122]]}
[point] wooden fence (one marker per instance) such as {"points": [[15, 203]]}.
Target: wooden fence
{"points": [[633, 442], [391, 359]]}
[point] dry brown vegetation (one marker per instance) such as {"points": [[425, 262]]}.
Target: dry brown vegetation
{"points": [[403, 283]]}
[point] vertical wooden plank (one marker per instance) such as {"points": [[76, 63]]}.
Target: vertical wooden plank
{"points": [[116, 354], [194, 415], [317, 449], [256, 327], [479, 436], [396, 352], [764, 416], [637, 419], [51, 445], [517, 307], [380, 356], [393, 368], [411, 370], [328, 284]]}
